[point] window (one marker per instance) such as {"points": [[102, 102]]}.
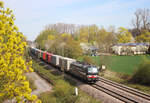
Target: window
{"points": [[92, 70]]}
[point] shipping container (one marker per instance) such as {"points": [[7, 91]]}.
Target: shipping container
{"points": [[37, 52], [41, 54], [64, 63], [55, 60], [44, 55], [48, 57]]}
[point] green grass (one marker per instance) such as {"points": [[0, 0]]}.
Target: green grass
{"points": [[122, 64], [124, 79], [48, 97], [142, 88]]}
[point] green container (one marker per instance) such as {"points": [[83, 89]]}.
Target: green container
{"points": [[42, 55]]}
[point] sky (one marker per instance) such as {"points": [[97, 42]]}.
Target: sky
{"points": [[33, 15]]}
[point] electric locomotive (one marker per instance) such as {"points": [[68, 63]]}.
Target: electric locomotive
{"points": [[84, 71]]}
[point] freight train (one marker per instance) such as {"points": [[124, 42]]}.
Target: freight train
{"points": [[84, 71]]}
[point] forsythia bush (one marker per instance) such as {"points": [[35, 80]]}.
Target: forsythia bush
{"points": [[13, 83]]}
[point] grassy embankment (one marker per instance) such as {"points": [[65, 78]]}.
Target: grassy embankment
{"points": [[121, 69], [63, 89]]}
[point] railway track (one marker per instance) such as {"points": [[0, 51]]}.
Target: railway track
{"points": [[113, 94], [121, 92]]}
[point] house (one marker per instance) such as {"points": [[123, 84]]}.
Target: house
{"points": [[88, 49], [130, 48], [93, 50]]}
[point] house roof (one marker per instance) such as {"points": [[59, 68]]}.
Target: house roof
{"points": [[93, 48], [131, 44]]}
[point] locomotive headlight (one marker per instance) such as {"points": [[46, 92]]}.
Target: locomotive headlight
{"points": [[92, 76]]}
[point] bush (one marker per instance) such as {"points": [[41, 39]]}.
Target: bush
{"points": [[89, 60], [142, 75], [64, 92], [47, 98]]}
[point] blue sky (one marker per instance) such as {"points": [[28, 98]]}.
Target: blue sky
{"points": [[33, 15]]}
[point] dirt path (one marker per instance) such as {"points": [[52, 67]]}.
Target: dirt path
{"points": [[41, 84]]}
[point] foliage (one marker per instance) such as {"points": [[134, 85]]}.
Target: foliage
{"points": [[63, 44], [64, 92], [88, 33], [83, 34], [142, 75], [72, 49], [105, 40], [13, 83], [89, 60], [124, 35], [144, 37], [68, 45], [44, 38]]}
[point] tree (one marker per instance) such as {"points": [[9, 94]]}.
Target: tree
{"points": [[13, 83], [138, 20], [62, 28], [93, 32], [49, 42], [72, 48], [145, 15], [144, 37], [105, 40], [88, 33], [84, 34], [141, 21], [124, 36]]}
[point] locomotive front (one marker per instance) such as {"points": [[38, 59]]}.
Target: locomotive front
{"points": [[92, 73]]}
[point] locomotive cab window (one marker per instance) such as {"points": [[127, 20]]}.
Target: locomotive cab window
{"points": [[92, 70]]}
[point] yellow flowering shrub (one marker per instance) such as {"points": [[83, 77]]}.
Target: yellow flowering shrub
{"points": [[13, 83]]}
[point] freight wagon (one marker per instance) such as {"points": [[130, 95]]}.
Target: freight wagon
{"points": [[55, 60], [64, 63]]}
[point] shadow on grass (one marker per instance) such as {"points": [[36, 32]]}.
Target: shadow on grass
{"points": [[70, 81], [42, 64], [56, 73], [73, 80]]}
